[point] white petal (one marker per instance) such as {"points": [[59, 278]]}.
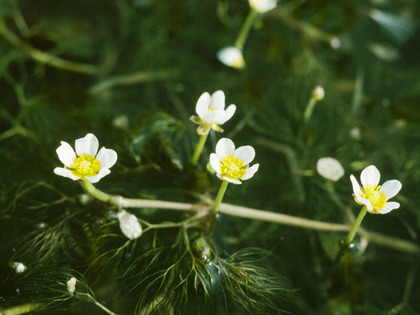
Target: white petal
{"points": [[107, 157], [370, 176], [218, 100], [229, 113], [245, 153], [365, 202], [225, 147], [129, 224], [66, 154], [355, 184], [89, 145], [391, 188], [65, 173], [389, 206], [203, 103], [214, 117], [215, 163], [231, 180], [250, 171], [102, 173]]}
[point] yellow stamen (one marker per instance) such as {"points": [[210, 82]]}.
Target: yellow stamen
{"points": [[376, 197], [232, 167], [85, 165]]}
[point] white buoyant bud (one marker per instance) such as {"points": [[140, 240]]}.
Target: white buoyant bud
{"points": [[318, 93], [330, 168], [19, 267], [71, 285], [129, 224]]}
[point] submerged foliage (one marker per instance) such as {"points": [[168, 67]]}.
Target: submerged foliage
{"points": [[131, 72]]}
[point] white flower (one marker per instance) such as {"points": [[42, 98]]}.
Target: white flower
{"points": [[330, 168], [372, 195], [71, 286], [233, 165], [262, 6], [211, 112], [231, 57], [129, 224], [86, 163]]}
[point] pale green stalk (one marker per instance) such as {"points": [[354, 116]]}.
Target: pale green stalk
{"points": [[309, 108], [219, 197], [95, 192], [243, 34], [355, 226], [199, 148], [261, 215]]}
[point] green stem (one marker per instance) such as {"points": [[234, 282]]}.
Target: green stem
{"points": [[243, 34], [199, 148], [355, 226], [95, 192], [219, 197], [44, 57], [309, 108]]}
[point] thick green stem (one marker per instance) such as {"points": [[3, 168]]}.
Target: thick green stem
{"points": [[199, 148], [243, 34], [95, 192], [219, 197], [355, 226]]}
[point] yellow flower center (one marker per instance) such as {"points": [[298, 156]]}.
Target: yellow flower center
{"points": [[376, 197], [85, 165], [232, 167]]}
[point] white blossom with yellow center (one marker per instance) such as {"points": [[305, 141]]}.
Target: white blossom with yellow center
{"points": [[231, 57], [375, 197], [262, 6], [211, 112], [232, 165], [86, 163]]}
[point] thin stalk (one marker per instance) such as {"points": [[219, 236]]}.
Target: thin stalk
{"points": [[98, 304], [44, 57], [243, 34], [199, 148], [219, 197], [309, 108], [355, 226]]}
